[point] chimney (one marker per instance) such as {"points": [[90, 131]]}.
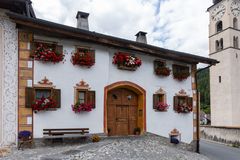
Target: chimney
{"points": [[82, 20], [141, 37]]}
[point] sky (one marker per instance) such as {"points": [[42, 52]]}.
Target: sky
{"points": [[180, 25]]}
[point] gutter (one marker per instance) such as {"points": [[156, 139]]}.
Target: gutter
{"points": [[198, 107]]}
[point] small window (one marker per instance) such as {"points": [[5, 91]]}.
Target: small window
{"points": [[221, 44], [235, 23], [220, 79], [42, 93], [219, 26], [235, 42], [81, 96]]}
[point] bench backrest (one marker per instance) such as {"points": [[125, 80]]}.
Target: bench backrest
{"points": [[62, 131]]}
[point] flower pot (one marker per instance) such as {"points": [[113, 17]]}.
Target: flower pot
{"points": [[130, 68]]}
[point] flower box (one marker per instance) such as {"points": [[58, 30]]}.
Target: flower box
{"points": [[180, 72], [162, 107], [161, 69], [183, 109], [47, 52], [44, 104], [82, 107], [126, 61], [83, 57]]}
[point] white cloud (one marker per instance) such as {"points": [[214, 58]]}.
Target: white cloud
{"points": [[179, 25]]}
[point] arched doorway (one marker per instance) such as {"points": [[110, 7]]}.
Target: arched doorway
{"points": [[124, 109]]}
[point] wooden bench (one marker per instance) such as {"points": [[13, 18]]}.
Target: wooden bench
{"points": [[60, 133]]}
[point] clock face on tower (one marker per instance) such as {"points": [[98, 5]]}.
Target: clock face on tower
{"points": [[235, 8], [218, 12]]}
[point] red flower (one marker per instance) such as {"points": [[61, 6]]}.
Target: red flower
{"points": [[82, 107], [43, 104], [125, 59], [46, 52], [163, 71], [162, 106], [83, 58], [183, 109]]}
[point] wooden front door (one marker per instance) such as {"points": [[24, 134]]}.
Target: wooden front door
{"points": [[122, 107]]}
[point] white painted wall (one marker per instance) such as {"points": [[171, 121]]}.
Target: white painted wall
{"points": [[104, 73]]}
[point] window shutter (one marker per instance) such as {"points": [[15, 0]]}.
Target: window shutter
{"points": [[29, 97], [57, 97], [33, 48], [190, 101], [175, 102], [91, 98], [155, 100], [59, 49]]}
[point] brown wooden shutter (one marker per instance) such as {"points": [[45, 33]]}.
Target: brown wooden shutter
{"points": [[57, 97], [93, 55], [175, 103], [190, 101], [59, 48], [29, 97], [33, 47], [91, 98], [155, 100]]}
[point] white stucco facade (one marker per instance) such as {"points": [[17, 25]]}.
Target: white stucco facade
{"points": [[65, 76], [8, 80], [224, 77]]}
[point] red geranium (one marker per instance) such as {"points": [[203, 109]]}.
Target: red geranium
{"points": [[82, 107], [83, 58], [162, 106], [45, 52], [184, 109], [125, 59], [43, 104], [162, 71]]}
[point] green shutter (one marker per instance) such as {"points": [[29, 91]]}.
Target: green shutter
{"points": [[91, 98], [57, 97], [29, 97]]}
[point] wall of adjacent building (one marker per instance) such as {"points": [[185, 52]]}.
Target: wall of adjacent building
{"points": [[8, 80], [225, 103], [65, 76]]}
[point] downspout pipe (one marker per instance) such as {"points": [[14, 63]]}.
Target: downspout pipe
{"points": [[198, 107]]}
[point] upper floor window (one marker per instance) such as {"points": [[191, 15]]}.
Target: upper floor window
{"points": [[235, 42], [219, 44], [235, 23], [219, 26]]}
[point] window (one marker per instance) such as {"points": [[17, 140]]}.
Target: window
{"points": [[221, 44], [219, 26], [182, 102], [220, 79], [83, 94], [217, 45], [44, 89], [235, 23], [235, 42], [160, 97], [42, 93]]}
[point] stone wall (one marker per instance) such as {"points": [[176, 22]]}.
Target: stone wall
{"points": [[228, 135]]}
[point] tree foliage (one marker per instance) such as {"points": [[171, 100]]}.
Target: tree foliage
{"points": [[204, 89]]}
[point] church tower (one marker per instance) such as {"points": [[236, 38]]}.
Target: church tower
{"points": [[224, 35]]}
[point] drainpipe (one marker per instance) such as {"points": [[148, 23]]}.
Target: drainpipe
{"points": [[198, 107]]}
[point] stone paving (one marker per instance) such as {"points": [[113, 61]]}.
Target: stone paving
{"points": [[149, 147]]}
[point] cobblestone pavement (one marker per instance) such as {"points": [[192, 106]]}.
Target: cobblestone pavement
{"points": [[131, 148]]}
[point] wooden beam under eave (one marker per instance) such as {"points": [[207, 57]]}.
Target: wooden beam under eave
{"points": [[104, 41]]}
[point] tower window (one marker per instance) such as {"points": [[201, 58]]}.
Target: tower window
{"points": [[219, 45], [220, 79], [235, 41], [219, 26], [235, 23]]}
